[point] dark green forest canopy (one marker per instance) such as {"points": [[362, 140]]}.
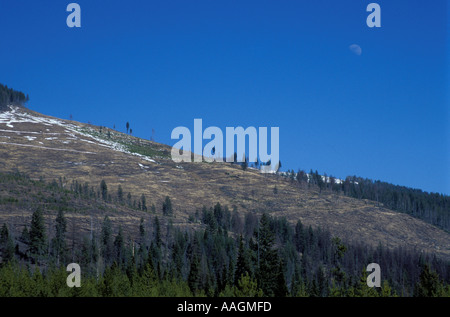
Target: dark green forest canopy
{"points": [[9, 96], [229, 254], [432, 208]]}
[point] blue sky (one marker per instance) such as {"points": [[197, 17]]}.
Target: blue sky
{"points": [[383, 114]]}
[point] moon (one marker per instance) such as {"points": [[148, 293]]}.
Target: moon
{"points": [[356, 49]]}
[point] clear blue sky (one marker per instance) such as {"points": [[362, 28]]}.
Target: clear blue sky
{"points": [[383, 114]]}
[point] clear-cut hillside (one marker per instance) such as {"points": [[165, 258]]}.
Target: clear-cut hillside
{"points": [[52, 148]]}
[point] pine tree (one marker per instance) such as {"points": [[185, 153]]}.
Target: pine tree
{"points": [[38, 238], [142, 231], [148, 281], [280, 288], [339, 251], [59, 241], [242, 263], [119, 247], [193, 278], [429, 284], [167, 207], [106, 240], [386, 290], [120, 194], [104, 190], [157, 232], [129, 202], [25, 236], [6, 245], [247, 287], [143, 203], [267, 257], [244, 163], [362, 289]]}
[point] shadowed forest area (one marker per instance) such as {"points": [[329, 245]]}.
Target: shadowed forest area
{"points": [[227, 254]]}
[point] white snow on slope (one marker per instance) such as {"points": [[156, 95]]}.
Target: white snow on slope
{"points": [[47, 148], [15, 115]]}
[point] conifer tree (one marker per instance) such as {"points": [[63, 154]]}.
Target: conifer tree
{"points": [[280, 289], [247, 287], [143, 203], [157, 232], [193, 278], [104, 190], [242, 263], [428, 285], [59, 241], [119, 247], [38, 238], [167, 207], [106, 240], [6, 244], [267, 257], [120, 194]]}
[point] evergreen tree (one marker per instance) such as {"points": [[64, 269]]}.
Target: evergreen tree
{"points": [[167, 207], [244, 163], [120, 194], [59, 241], [38, 238], [242, 263], [267, 257], [6, 244], [339, 251], [104, 190], [106, 240], [157, 232], [143, 203], [247, 287], [25, 236], [142, 231], [280, 289], [429, 284], [194, 271], [129, 202], [148, 282], [119, 247], [362, 289]]}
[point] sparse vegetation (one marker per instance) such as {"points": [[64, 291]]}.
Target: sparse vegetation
{"points": [[136, 225]]}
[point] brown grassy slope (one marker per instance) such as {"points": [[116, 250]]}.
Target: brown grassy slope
{"points": [[42, 148]]}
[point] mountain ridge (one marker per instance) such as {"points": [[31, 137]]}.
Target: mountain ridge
{"points": [[51, 148]]}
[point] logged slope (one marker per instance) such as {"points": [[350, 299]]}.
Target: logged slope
{"points": [[42, 146]]}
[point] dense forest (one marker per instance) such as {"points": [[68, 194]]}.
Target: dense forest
{"points": [[10, 96], [228, 254], [433, 208]]}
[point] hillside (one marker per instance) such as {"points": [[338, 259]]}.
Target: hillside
{"points": [[52, 149]]}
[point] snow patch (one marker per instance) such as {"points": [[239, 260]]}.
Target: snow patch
{"points": [[48, 148], [16, 115]]}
